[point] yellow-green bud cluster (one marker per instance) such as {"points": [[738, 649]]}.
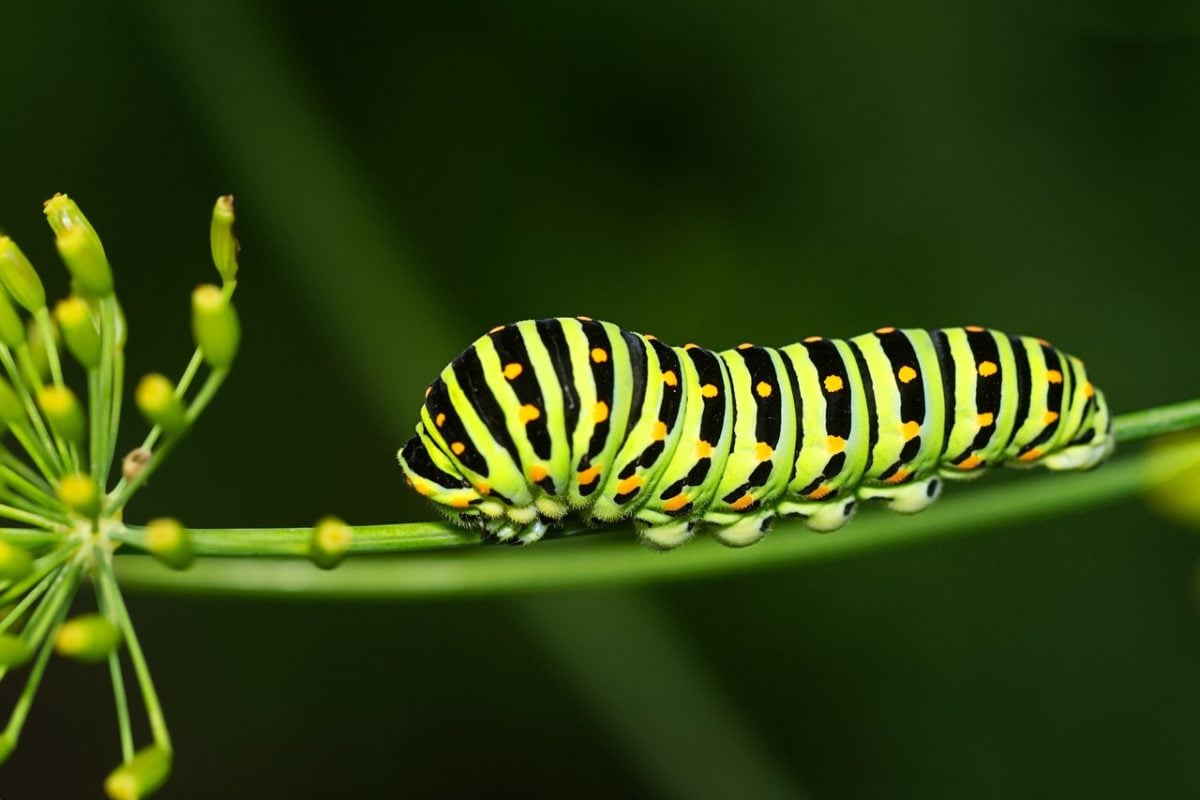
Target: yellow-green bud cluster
{"points": [[63, 412], [74, 317], [330, 541], [79, 246], [224, 244], [15, 561], [170, 542], [12, 410], [80, 493], [60, 486], [156, 399], [215, 326], [12, 329], [139, 776], [88, 637], [20, 278]]}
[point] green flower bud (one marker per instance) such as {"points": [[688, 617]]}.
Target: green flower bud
{"points": [[215, 326], [19, 277], [330, 542], [80, 493], [63, 215], [170, 543], [37, 352], [83, 338], [85, 259], [63, 412], [139, 776], [12, 329], [12, 411], [225, 245], [88, 637], [155, 397], [13, 651], [15, 561]]}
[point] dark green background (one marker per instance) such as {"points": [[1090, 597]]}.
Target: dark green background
{"points": [[408, 178]]}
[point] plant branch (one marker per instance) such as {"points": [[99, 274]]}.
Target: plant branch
{"points": [[607, 559]]}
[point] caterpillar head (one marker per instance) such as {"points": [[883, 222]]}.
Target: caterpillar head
{"points": [[431, 474]]}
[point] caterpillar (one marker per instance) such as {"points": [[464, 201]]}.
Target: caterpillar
{"points": [[544, 418]]}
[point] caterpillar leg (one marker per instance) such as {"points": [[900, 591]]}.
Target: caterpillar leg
{"points": [[907, 499], [745, 531], [1080, 456], [508, 532], [667, 535], [820, 517]]}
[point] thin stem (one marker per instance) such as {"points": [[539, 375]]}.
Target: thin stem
{"points": [[189, 375], [253, 542], [55, 618], [41, 568], [125, 489], [95, 432], [108, 584], [1157, 421], [28, 600], [60, 594], [41, 449], [46, 461], [109, 388], [68, 454], [606, 559], [33, 518], [22, 481], [30, 538], [115, 423], [42, 319], [118, 683]]}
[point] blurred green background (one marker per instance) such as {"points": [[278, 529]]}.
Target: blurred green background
{"points": [[408, 177]]}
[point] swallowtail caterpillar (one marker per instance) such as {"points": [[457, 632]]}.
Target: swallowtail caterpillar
{"points": [[541, 419]]}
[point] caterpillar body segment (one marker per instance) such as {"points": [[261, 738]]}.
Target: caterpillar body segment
{"points": [[541, 419]]}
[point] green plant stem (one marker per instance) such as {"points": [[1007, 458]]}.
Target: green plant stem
{"points": [[118, 682], [608, 559], [94, 431], [28, 600], [30, 538], [54, 514], [19, 467], [1157, 421], [189, 374], [107, 583], [67, 451], [103, 433], [42, 319], [40, 449], [23, 482], [21, 515], [59, 596], [415, 536], [115, 417], [41, 568], [294, 541], [21, 710], [120, 495]]}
